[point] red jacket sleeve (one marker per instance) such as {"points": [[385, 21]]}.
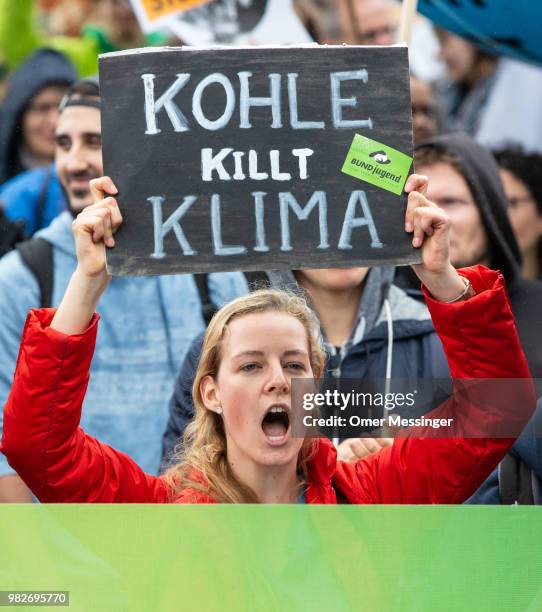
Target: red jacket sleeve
{"points": [[480, 341], [42, 439]]}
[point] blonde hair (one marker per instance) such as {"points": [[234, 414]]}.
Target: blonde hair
{"points": [[201, 462]]}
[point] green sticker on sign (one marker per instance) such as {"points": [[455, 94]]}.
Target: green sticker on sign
{"points": [[377, 164]]}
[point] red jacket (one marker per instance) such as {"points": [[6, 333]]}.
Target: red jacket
{"points": [[43, 442]]}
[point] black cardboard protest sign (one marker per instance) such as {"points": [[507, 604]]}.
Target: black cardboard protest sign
{"points": [[232, 159]]}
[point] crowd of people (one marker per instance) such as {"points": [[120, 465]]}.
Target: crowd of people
{"points": [[166, 389]]}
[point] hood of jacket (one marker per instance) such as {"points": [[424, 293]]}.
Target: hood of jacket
{"points": [[482, 176], [375, 292], [43, 68], [410, 318]]}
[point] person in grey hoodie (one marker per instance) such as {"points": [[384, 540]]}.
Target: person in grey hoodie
{"points": [[147, 323], [371, 330], [464, 180]]}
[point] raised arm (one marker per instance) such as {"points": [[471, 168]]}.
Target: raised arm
{"points": [[423, 469], [480, 340], [42, 439], [93, 231]]}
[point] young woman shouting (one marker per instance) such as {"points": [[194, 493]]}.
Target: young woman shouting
{"points": [[239, 447]]}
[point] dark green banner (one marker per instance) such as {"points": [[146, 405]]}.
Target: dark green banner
{"points": [[283, 558]]}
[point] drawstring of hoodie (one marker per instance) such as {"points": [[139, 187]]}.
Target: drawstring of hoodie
{"points": [[389, 355]]}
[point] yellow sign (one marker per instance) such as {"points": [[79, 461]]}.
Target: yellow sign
{"points": [[155, 9]]}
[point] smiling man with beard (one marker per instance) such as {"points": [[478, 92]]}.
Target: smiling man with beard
{"points": [[78, 157], [147, 323]]}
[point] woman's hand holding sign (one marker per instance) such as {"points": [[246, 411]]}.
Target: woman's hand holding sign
{"points": [[93, 230], [94, 227], [430, 227]]}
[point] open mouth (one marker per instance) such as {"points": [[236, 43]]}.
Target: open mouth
{"points": [[276, 424]]}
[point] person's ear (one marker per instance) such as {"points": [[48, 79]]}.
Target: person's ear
{"points": [[210, 394]]}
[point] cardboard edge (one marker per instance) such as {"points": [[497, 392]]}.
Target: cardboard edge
{"points": [[186, 48]]}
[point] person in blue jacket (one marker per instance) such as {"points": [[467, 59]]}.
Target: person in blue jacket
{"points": [[147, 323], [34, 197]]}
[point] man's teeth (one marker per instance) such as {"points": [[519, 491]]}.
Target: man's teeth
{"points": [[275, 438], [277, 409]]}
